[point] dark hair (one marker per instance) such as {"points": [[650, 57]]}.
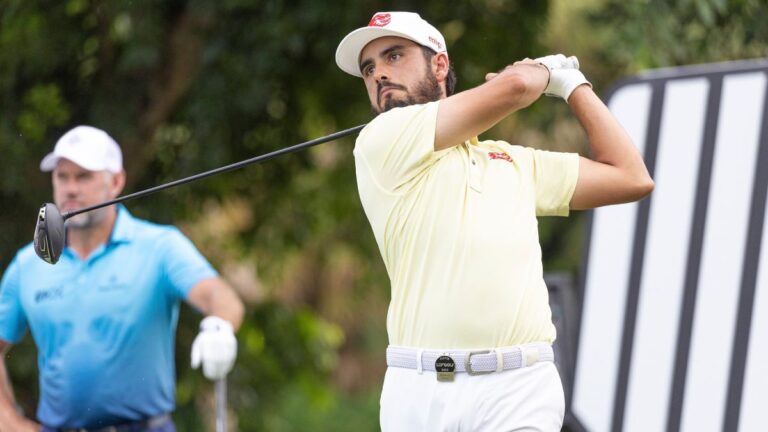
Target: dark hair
{"points": [[450, 80]]}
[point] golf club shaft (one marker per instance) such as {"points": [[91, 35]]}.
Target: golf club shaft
{"points": [[220, 170], [221, 405]]}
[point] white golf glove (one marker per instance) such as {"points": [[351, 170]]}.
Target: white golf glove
{"points": [[564, 75], [215, 347], [558, 61]]}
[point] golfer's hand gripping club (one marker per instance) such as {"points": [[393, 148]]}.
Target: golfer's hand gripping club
{"points": [[558, 61], [564, 75], [215, 348]]}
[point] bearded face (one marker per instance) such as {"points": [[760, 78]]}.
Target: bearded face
{"points": [[397, 73], [426, 90]]}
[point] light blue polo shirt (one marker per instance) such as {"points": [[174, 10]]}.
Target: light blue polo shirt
{"points": [[104, 327]]}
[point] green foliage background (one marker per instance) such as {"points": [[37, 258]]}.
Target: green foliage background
{"points": [[189, 85]]}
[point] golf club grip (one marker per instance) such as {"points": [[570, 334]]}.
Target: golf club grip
{"points": [[220, 170], [221, 404]]}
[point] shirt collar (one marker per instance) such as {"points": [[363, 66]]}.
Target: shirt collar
{"points": [[125, 226]]}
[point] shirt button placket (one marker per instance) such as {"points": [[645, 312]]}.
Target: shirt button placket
{"points": [[82, 278], [474, 170]]}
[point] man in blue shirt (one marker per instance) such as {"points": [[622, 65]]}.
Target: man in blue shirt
{"points": [[104, 317]]}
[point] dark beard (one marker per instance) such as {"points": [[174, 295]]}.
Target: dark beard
{"points": [[428, 90]]}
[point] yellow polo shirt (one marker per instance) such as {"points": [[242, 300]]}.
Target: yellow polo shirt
{"points": [[458, 233]]}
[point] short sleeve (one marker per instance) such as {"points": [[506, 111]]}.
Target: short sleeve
{"points": [[13, 320], [398, 144], [184, 265], [555, 177]]}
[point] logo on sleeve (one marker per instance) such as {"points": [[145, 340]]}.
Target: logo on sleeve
{"points": [[380, 20]]}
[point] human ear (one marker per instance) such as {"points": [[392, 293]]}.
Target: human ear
{"points": [[117, 183], [440, 66]]}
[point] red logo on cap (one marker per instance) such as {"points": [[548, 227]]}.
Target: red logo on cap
{"points": [[380, 20]]}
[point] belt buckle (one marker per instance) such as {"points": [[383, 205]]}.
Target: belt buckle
{"points": [[468, 363], [445, 368]]}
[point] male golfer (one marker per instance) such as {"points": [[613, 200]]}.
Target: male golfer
{"points": [[104, 318], [469, 322]]}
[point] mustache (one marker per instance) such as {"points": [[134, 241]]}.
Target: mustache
{"points": [[386, 84]]}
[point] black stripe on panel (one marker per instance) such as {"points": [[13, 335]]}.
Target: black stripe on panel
{"points": [[695, 244], [748, 279], [572, 424], [638, 256]]}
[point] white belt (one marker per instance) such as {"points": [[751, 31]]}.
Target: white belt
{"points": [[474, 362]]}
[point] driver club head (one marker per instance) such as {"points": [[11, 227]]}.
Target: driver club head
{"points": [[49, 233]]}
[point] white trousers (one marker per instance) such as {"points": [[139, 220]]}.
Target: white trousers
{"points": [[522, 400]]}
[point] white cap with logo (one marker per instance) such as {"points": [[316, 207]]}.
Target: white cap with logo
{"points": [[89, 147], [407, 25]]}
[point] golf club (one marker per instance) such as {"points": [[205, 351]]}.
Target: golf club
{"points": [[221, 405], [49, 235]]}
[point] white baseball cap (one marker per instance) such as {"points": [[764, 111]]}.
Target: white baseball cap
{"points": [[407, 25], [89, 147]]}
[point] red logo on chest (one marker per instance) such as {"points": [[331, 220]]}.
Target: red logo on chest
{"points": [[380, 20], [500, 155]]}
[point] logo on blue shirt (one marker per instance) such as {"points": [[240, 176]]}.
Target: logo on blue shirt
{"points": [[49, 294]]}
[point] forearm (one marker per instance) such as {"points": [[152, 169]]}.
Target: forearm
{"points": [[616, 172], [227, 305], [9, 415], [472, 112], [215, 297], [6, 390], [7, 402], [608, 141]]}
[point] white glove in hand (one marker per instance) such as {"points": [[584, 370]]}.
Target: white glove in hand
{"points": [[215, 347], [558, 61], [562, 82], [564, 75]]}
